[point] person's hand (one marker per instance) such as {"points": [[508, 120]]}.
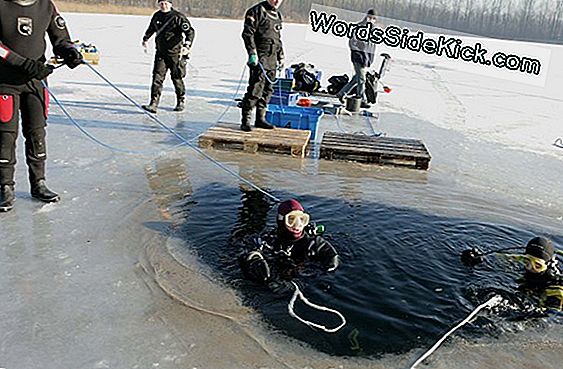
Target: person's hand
{"points": [[252, 60], [36, 69], [71, 56], [186, 50]]}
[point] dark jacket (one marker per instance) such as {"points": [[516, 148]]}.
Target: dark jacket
{"points": [[262, 34], [362, 52], [275, 251], [22, 35], [170, 28]]}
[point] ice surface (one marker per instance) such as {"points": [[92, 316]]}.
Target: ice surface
{"points": [[85, 283]]}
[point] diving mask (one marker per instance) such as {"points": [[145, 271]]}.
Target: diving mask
{"points": [[296, 219], [535, 265]]}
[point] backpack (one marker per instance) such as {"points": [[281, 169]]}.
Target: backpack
{"points": [[305, 80], [336, 83]]}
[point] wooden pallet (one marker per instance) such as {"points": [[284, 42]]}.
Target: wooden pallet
{"points": [[375, 150], [275, 141]]}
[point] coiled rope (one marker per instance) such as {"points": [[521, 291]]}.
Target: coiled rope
{"points": [[299, 294]]}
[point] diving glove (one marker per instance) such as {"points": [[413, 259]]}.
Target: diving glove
{"points": [[252, 60], [36, 69]]}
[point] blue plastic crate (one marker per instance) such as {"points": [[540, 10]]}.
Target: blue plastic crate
{"points": [[284, 99], [295, 117], [285, 84]]}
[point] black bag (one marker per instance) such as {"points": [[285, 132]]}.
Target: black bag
{"points": [[336, 83], [305, 80], [371, 87]]}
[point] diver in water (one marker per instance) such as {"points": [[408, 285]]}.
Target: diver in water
{"points": [[542, 275], [294, 241]]}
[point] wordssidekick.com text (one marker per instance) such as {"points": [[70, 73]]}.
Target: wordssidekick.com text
{"points": [[404, 38]]}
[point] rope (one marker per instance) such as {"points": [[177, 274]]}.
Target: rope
{"points": [[181, 138], [92, 137], [299, 294], [558, 143], [370, 124], [493, 301], [220, 119]]}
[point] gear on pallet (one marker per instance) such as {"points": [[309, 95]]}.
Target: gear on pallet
{"points": [[90, 53]]}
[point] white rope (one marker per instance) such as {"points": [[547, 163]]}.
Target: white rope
{"points": [[299, 294], [495, 300]]}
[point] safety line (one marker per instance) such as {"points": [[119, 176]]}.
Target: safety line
{"points": [[180, 137], [493, 301], [92, 137]]}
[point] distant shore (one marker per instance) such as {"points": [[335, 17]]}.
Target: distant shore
{"points": [[75, 7]]}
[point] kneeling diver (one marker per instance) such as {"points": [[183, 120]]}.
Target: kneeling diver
{"points": [[293, 242]]}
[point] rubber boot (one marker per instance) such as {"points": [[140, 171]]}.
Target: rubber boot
{"points": [[261, 119], [153, 105], [180, 103], [40, 191], [245, 121], [7, 198]]}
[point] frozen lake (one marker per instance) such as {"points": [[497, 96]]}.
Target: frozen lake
{"points": [[128, 270]]}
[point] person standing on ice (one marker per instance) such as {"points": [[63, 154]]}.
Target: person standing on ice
{"points": [[174, 38], [362, 53], [262, 40], [23, 24]]}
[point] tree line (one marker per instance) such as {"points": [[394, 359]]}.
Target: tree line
{"points": [[528, 20]]}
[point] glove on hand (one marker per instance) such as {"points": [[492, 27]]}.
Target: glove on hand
{"points": [[252, 60], [71, 56], [36, 69]]}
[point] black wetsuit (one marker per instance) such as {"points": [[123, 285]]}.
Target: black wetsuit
{"points": [[274, 251], [22, 39], [172, 29], [545, 284], [262, 36]]}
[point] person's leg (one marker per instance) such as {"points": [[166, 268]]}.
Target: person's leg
{"points": [[361, 78], [158, 76], [262, 103], [177, 74], [256, 84], [34, 105], [9, 111]]}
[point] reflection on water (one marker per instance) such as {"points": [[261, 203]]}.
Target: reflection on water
{"points": [[401, 284]]}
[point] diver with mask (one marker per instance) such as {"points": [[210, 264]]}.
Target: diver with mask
{"points": [[23, 72], [294, 241], [542, 275]]}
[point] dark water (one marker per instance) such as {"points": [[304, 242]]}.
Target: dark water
{"points": [[401, 284]]}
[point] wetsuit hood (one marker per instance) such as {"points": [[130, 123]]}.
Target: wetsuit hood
{"points": [[540, 247], [285, 208]]}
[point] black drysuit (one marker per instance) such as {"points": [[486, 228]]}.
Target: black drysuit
{"points": [[172, 30], [22, 37], [262, 37], [275, 250]]}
